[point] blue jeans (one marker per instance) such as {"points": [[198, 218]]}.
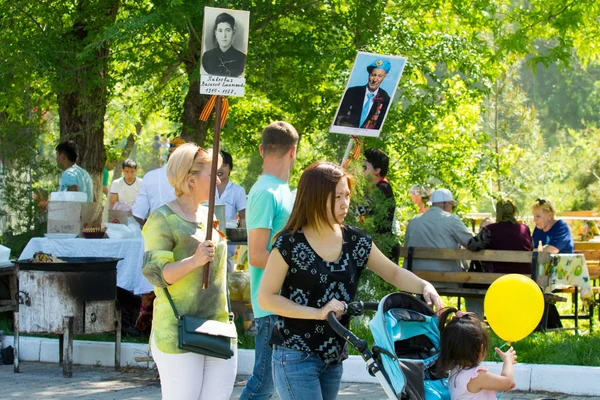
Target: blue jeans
{"points": [[260, 385], [304, 376]]}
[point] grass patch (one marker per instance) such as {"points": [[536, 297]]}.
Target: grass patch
{"points": [[559, 347], [554, 348], [564, 347]]}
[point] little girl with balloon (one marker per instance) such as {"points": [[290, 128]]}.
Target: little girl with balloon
{"points": [[464, 345]]}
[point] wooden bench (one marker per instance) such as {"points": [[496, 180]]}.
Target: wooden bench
{"points": [[534, 258], [591, 251]]}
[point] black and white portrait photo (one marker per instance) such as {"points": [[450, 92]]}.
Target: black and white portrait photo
{"points": [[225, 42]]}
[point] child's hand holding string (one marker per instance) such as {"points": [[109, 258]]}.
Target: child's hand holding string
{"points": [[510, 356]]}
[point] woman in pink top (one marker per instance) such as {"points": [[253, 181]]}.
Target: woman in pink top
{"points": [[463, 346]]}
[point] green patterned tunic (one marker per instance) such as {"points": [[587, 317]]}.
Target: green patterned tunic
{"points": [[169, 238]]}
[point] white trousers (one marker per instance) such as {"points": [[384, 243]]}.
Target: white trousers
{"points": [[192, 376]]}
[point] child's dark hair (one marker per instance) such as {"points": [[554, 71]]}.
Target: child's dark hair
{"points": [[463, 340], [378, 159], [129, 163], [69, 149]]}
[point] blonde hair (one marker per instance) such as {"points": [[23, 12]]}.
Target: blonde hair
{"points": [[544, 205], [187, 160], [420, 190]]}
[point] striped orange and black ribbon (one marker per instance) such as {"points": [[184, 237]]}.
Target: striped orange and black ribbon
{"points": [[208, 108], [355, 153]]}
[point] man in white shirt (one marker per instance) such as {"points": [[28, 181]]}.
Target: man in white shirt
{"points": [[155, 190], [233, 196], [124, 190]]}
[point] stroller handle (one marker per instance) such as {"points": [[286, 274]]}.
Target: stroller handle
{"points": [[359, 307], [348, 336]]}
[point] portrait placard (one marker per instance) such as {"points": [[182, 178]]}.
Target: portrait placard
{"points": [[224, 49], [368, 95]]}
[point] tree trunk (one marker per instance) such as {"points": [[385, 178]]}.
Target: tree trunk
{"points": [[83, 96], [131, 139], [193, 130]]}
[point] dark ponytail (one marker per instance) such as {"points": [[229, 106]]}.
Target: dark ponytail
{"points": [[463, 340]]}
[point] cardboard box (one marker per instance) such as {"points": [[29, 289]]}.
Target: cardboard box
{"points": [[118, 217], [72, 216]]}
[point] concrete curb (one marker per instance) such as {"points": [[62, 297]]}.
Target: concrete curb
{"points": [[568, 379]]}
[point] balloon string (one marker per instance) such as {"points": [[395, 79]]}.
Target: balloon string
{"points": [[504, 346]]}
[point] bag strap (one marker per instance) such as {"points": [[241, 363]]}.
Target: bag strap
{"points": [[172, 304]]}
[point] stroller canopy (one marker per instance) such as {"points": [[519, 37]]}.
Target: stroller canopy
{"points": [[406, 333]]}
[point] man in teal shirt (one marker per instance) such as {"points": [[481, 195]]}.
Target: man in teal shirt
{"points": [[74, 178], [269, 206]]}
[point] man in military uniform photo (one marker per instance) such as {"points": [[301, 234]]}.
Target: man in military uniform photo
{"points": [[365, 106], [224, 59]]}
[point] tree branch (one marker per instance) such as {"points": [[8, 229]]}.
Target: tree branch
{"points": [[550, 16], [290, 6]]}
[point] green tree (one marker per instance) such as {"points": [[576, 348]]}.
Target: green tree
{"points": [[55, 42]]}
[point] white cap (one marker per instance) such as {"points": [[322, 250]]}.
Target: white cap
{"points": [[442, 196]]}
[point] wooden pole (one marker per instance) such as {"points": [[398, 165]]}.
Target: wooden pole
{"points": [[348, 150], [213, 185]]}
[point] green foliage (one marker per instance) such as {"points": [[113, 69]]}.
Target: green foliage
{"points": [[467, 62], [554, 348]]}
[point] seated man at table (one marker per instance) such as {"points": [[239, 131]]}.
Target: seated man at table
{"points": [[439, 228], [73, 178]]}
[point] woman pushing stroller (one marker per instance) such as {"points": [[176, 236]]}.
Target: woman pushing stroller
{"points": [[313, 270]]}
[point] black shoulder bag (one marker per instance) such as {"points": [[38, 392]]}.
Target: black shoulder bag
{"points": [[205, 336]]}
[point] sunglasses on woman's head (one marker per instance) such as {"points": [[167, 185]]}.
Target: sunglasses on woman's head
{"points": [[541, 201], [200, 150]]}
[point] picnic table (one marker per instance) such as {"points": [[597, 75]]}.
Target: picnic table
{"points": [[569, 270]]}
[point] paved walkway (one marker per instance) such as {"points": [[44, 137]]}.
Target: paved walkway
{"points": [[45, 381]]}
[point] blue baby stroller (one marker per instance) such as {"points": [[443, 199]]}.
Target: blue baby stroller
{"points": [[406, 347]]}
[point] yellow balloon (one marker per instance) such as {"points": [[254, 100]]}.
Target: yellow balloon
{"points": [[513, 306]]}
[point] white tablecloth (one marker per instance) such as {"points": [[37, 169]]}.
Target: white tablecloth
{"points": [[129, 269]]}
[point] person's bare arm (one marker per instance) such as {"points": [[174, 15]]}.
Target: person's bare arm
{"points": [[105, 190], [489, 381], [550, 249], [114, 197], [258, 240]]}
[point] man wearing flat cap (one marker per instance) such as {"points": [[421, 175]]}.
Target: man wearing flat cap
{"points": [[365, 106]]}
